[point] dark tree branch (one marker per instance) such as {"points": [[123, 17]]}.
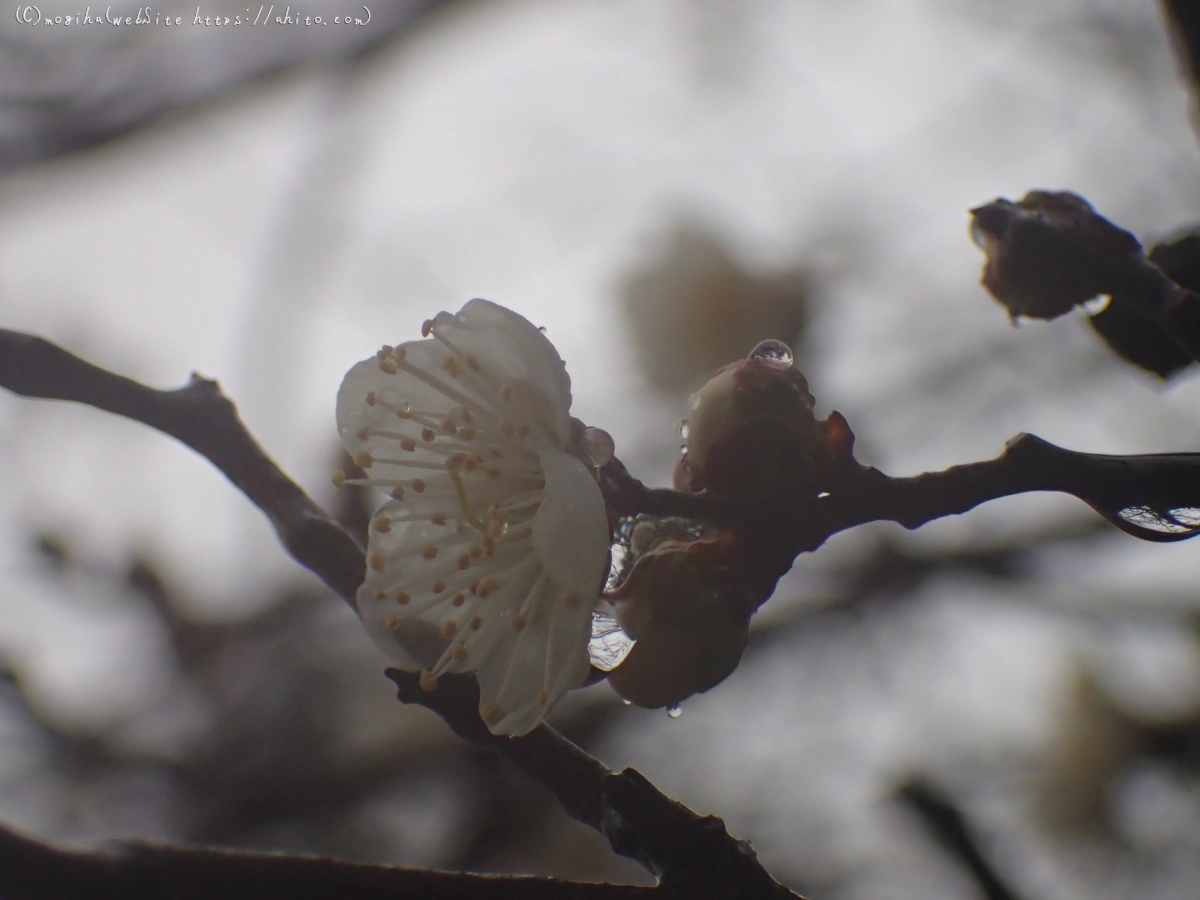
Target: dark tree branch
{"points": [[30, 870], [693, 856], [203, 418], [947, 823]]}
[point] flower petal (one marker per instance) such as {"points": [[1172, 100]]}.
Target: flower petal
{"points": [[570, 530]]}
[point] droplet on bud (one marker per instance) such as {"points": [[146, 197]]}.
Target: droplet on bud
{"points": [[773, 349], [600, 446], [681, 429], [674, 712]]}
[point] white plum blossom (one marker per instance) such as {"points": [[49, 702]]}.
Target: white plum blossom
{"points": [[492, 551]]}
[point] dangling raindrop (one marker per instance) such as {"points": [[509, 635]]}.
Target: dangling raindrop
{"points": [[609, 644], [773, 349], [681, 429], [674, 712], [599, 445]]}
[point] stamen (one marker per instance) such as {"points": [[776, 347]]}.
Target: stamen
{"points": [[438, 587], [452, 367], [459, 599], [370, 398], [397, 493], [464, 561], [488, 584], [430, 552], [467, 432], [476, 623], [393, 623], [518, 622], [408, 444], [438, 518], [464, 504], [491, 712], [543, 697], [403, 597], [459, 653], [379, 595], [382, 524], [448, 628], [427, 681], [426, 327], [339, 479], [427, 435], [363, 459], [418, 485]]}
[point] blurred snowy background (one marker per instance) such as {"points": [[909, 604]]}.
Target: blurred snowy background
{"points": [[661, 184]]}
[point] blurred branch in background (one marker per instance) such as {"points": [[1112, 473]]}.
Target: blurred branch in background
{"points": [[62, 96]]}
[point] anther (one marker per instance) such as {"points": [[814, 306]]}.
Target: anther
{"points": [[449, 427], [364, 433], [370, 398], [418, 485], [464, 561], [408, 444], [452, 367], [388, 367], [438, 587], [518, 622], [459, 599], [403, 598], [438, 519], [376, 562], [491, 712], [427, 681], [427, 435], [394, 623], [543, 697], [472, 363], [506, 428], [488, 584], [459, 653], [426, 327], [397, 493], [448, 628], [363, 459], [379, 595], [470, 465], [476, 623], [467, 432], [429, 552], [382, 524], [338, 479]]}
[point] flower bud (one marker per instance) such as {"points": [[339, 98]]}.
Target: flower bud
{"points": [[751, 431], [690, 629]]}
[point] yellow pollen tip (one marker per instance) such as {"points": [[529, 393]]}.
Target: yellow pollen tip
{"points": [[363, 459], [388, 367], [455, 462], [427, 681], [430, 552], [459, 599], [543, 697], [338, 479], [491, 712], [438, 519], [518, 622], [476, 622], [427, 435], [397, 493], [488, 584], [402, 597], [418, 485], [438, 587], [408, 444], [376, 562], [467, 432], [459, 653], [364, 433], [448, 628], [383, 524], [394, 623]]}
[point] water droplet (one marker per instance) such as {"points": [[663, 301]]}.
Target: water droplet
{"points": [[674, 712], [681, 429], [609, 644], [626, 702], [773, 349], [599, 445]]}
